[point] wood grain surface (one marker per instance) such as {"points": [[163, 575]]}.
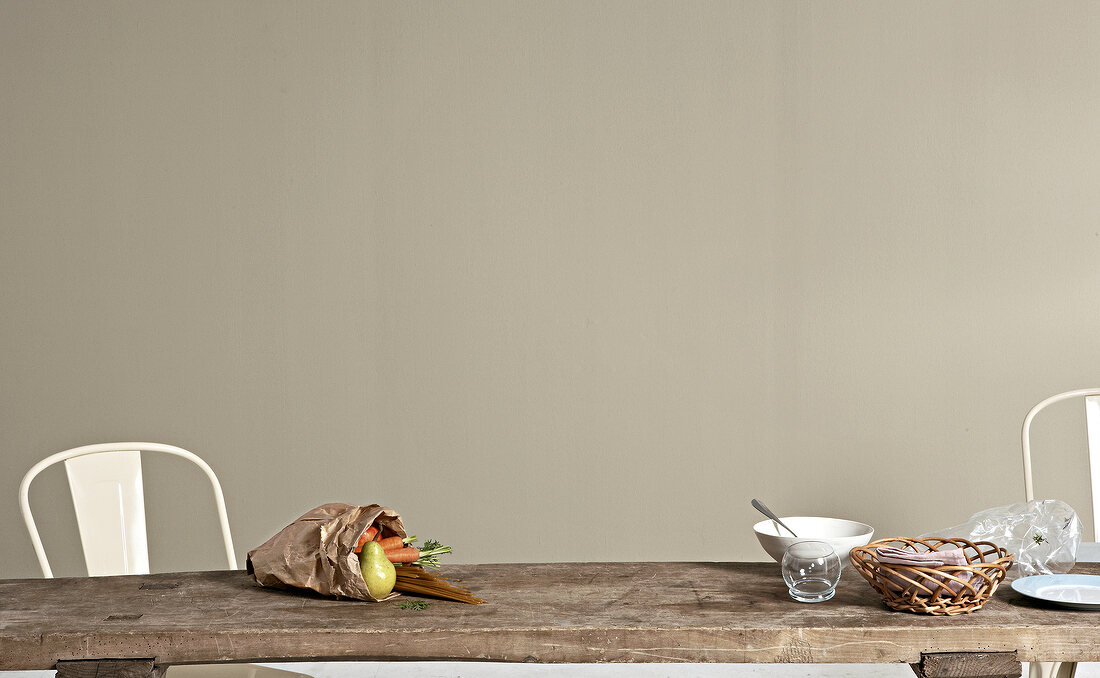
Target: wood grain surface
{"points": [[969, 665], [109, 668], [560, 612]]}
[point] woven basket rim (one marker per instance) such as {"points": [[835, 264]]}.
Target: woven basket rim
{"points": [[935, 544], [912, 582]]}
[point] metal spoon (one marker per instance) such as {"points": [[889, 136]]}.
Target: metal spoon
{"points": [[759, 506]]}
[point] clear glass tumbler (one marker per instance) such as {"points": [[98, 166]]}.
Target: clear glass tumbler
{"points": [[811, 570]]}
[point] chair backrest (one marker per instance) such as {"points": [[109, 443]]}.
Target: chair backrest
{"points": [[106, 485], [1091, 397]]}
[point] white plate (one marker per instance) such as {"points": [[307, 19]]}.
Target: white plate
{"points": [[1081, 591]]}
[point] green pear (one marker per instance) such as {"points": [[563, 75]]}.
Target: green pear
{"points": [[378, 571]]}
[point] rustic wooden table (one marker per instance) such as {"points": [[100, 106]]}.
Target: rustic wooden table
{"points": [[561, 612]]}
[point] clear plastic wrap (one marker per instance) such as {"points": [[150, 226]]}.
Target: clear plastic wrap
{"points": [[1043, 534]]}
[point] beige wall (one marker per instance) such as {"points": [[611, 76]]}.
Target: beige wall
{"points": [[558, 281]]}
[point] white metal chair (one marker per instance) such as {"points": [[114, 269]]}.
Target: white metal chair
{"points": [[1091, 397], [106, 485]]}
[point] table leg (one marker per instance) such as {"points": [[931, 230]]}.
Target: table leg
{"points": [[109, 668], [968, 665]]}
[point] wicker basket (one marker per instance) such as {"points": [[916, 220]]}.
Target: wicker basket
{"points": [[946, 590]]}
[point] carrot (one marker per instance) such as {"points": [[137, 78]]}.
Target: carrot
{"points": [[369, 535], [391, 543], [408, 554]]}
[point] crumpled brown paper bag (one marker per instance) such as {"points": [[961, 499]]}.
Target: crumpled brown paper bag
{"points": [[317, 551]]}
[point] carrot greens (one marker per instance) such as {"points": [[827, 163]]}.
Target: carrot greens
{"points": [[429, 552]]}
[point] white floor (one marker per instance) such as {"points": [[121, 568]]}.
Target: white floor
{"points": [[465, 670], [460, 670], [469, 670]]}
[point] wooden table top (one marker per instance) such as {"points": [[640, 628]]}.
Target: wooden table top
{"points": [[559, 612]]}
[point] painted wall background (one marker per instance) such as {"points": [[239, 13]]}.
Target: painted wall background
{"points": [[556, 281]]}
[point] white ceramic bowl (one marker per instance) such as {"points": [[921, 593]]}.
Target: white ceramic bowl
{"points": [[843, 535]]}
